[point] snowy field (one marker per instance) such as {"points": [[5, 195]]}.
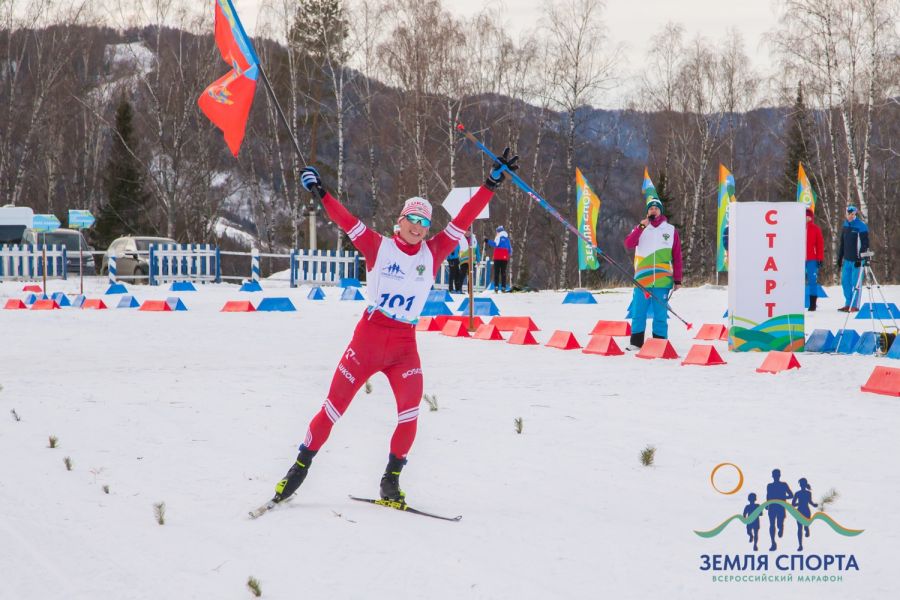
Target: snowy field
{"points": [[204, 410]]}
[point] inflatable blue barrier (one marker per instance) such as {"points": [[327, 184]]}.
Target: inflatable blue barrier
{"points": [[350, 282], [276, 305], [847, 341], [352, 293], [32, 298], [820, 293], [579, 297], [894, 350], [439, 296], [821, 340], [182, 286], [316, 294], [251, 286], [878, 310], [484, 307], [434, 309], [128, 301], [175, 303], [61, 299], [116, 288], [868, 343]]}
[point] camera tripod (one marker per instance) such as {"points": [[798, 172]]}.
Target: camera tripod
{"points": [[888, 333]]}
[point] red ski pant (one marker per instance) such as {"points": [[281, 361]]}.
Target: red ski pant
{"points": [[375, 348]]}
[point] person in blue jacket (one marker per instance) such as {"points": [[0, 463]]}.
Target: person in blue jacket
{"points": [[854, 242], [502, 254]]}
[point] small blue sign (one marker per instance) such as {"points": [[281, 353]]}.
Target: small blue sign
{"points": [[80, 219], [45, 223]]}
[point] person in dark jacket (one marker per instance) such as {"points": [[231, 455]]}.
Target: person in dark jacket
{"points": [[815, 252], [502, 253], [854, 242], [453, 277]]}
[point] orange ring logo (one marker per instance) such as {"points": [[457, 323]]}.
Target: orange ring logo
{"points": [[740, 483]]}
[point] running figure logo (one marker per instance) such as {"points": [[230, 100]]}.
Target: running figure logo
{"points": [[780, 501], [393, 271]]}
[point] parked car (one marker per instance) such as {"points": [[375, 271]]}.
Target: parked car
{"points": [[132, 254], [14, 220], [76, 247]]}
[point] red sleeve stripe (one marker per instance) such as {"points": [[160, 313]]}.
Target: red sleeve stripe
{"points": [[357, 230], [455, 232]]}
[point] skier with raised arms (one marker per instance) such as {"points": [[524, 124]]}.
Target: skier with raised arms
{"points": [[400, 272]]}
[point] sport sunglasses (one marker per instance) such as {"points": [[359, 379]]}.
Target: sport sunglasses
{"points": [[419, 220]]}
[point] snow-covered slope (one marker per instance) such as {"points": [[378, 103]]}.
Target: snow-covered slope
{"points": [[203, 410]]}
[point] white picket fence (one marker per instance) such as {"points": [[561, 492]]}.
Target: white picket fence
{"points": [[184, 262], [27, 262], [323, 266]]}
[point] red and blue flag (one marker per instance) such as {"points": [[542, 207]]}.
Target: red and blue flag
{"points": [[226, 102]]}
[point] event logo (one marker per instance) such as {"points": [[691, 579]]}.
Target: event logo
{"points": [[781, 501], [420, 269], [666, 236], [393, 271]]}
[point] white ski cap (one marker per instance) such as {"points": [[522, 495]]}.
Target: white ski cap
{"points": [[416, 206]]}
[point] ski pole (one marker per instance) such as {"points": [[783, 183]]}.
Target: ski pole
{"points": [[555, 213]]}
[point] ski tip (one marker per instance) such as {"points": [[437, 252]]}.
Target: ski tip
{"points": [[689, 326], [460, 127]]}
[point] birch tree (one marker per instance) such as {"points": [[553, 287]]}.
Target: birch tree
{"points": [[583, 67]]}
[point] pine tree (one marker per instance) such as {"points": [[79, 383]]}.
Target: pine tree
{"points": [[126, 209], [798, 144], [319, 32], [662, 190]]}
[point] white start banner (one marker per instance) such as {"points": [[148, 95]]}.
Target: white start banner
{"points": [[766, 264]]}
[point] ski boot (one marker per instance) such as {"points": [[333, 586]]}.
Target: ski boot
{"points": [[295, 475], [636, 341], [812, 303], [390, 481]]}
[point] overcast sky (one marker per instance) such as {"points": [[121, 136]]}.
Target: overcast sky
{"points": [[631, 23]]}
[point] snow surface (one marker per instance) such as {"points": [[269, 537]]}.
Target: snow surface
{"points": [[204, 410]]}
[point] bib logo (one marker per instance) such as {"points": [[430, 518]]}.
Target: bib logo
{"points": [[393, 271], [420, 269], [666, 236], [780, 501]]}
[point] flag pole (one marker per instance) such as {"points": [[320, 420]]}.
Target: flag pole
{"points": [[281, 112]]}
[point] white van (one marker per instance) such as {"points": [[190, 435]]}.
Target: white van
{"points": [[14, 220]]}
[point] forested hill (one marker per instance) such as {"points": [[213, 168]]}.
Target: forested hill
{"points": [[81, 105]]}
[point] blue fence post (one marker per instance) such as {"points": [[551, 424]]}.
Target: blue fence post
{"points": [[152, 264], [65, 264], [254, 264], [293, 268], [218, 265]]}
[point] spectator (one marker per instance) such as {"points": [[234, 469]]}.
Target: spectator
{"points": [[502, 253], [467, 247], [453, 268], [854, 242], [815, 248], [657, 267]]}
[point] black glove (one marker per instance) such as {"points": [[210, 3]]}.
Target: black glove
{"points": [[310, 179], [856, 263], [496, 176], [485, 242]]}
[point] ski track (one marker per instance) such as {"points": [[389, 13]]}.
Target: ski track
{"points": [[203, 410]]}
